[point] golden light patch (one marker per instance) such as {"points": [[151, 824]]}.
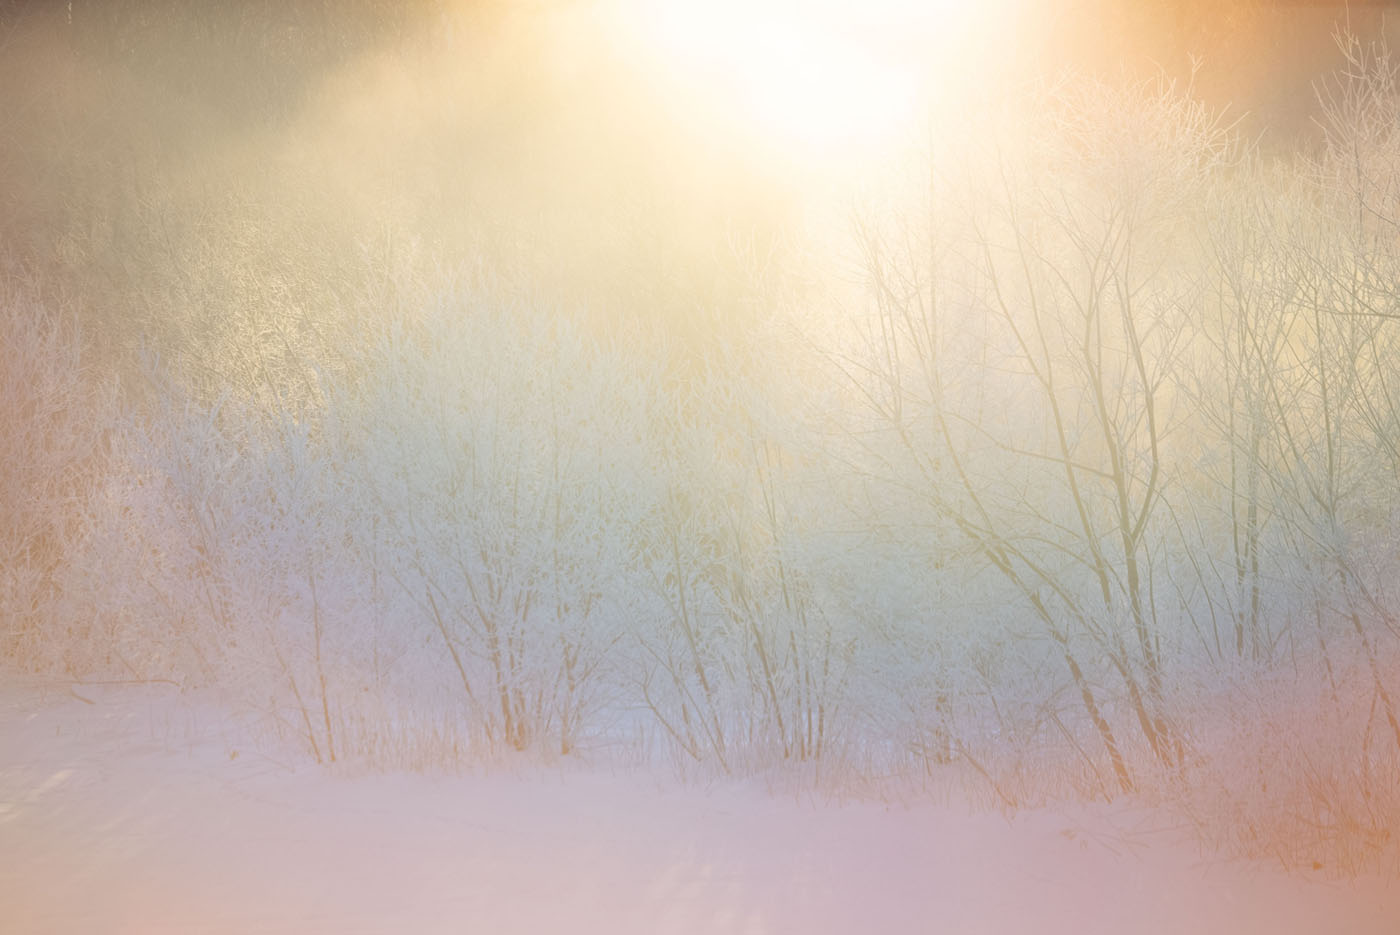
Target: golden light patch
{"points": [[817, 82]]}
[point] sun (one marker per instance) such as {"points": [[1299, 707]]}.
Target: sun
{"points": [[817, 79]]}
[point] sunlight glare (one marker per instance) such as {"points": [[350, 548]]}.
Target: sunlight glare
{"points": [[820, 79]]}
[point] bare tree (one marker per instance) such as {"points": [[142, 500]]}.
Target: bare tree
{"points": [[1046, 442]]}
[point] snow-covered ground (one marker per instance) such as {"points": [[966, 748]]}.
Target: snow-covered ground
{"points": [[131, 810]]}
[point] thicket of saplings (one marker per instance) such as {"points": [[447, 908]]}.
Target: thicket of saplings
{"points": [[1078, 479]]}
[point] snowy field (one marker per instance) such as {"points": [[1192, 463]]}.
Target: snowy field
{"points": [[127, 809]]}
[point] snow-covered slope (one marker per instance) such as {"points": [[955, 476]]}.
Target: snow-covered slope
{"points": [[131, 810]]}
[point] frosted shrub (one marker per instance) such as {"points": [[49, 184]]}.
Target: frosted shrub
{"points": [[1294, 766], [54, 418], [498, 447]]}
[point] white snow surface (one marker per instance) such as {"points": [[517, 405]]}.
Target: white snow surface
{"points": [[127, 811]]}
